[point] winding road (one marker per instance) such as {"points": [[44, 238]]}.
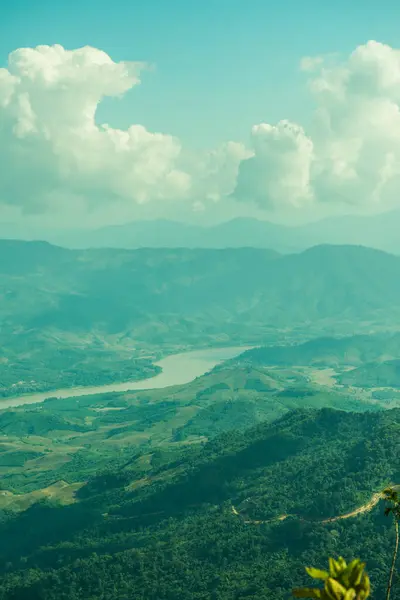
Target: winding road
{"points": [[358, 511]]}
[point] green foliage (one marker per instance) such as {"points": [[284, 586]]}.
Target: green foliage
{"points": [[106, 426], [37, 422], [47, 366], [391, 496], [224, 415], [160, 525], [17, 459], [342, 582], [384, 374]]}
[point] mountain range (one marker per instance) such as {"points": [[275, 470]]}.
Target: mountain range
{"points": [[378, 231], [194, 291], [73, 317]]}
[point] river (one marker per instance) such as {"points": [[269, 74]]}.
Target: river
{"points": [[177, 369]]}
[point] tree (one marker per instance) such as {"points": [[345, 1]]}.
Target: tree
{"points": [[342, 582], [391, 496]]}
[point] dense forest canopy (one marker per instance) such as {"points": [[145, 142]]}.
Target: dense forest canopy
{"points": [[206, 524]]}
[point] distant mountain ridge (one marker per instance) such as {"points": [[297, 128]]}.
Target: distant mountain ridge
{"points": [[195, 291], [378, 231], [58, 306], [173, 234]]}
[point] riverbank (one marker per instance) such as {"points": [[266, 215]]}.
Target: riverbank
{"points": [[176, 369]]}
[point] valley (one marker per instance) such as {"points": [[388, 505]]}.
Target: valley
{"points": [[72, 318], [172, 411], [175, 369], [69, 438]]}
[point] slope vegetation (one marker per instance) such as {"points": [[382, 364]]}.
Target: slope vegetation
{"points": [[172, 533], [330, 351], [89, 317]]}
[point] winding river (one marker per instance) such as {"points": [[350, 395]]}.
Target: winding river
{"points": [[177, 369]]}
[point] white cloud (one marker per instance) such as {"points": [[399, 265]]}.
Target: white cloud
{"points": [[351, 153], [54, 155], [357, 127], [278, 172], [214, 173], [50, 145], [310, 63]]}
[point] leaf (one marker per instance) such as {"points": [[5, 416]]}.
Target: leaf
{"points": [[348, 575], [317, 573], [334, 567], [307, 593], [334, 589], [359, 577], [365, 587]]}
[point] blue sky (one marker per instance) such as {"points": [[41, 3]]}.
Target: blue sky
{"points": [[220, 65]]}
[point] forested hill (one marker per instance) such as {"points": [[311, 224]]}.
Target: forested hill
{"points": [[179, 538], [383, 374], [112, 290], [91, 317], [349, 350]]}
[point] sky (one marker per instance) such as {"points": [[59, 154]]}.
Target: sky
{"points": [[112, 111]]}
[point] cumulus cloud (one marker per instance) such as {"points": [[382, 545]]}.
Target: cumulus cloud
{"points": [[351, 153], [51, 146], [357, 127], [214, 173], [278, 173], [54, 153]]}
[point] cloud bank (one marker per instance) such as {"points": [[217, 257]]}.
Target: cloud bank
{"points": [[53, 153], [351, 154], [52, 146]]}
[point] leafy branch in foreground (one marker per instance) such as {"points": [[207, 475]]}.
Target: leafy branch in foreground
{"points": [[391, 496], [342, 582]]}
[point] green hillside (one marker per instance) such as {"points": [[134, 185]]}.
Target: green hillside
{"points": [[78, 436], [88, 317], [328, 351], [384, 374], [34, 362], [112, 290], [211, 523]]}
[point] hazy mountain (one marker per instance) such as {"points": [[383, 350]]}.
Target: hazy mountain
{"points": [[378, 231], [172, 234], [183, 292]]}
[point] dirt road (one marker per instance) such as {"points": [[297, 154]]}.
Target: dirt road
{"points": [[358, 511]]}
